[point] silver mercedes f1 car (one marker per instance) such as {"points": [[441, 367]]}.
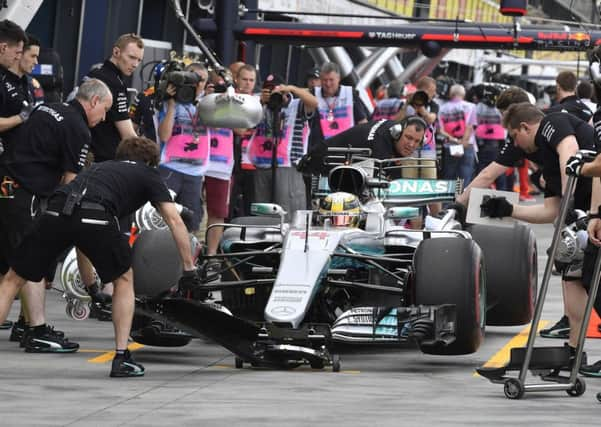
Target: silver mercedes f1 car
{"points": [[351, 274]]}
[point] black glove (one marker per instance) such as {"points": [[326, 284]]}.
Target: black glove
{"points": [[461, 211], [574, 165], [26, 111], [188, 281], [496, 207]]}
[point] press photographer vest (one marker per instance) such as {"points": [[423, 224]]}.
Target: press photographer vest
{"points": [[489, 125], [453, 116], [261, 142], [337, 116], [387, 108], [187, 150], [221, 154]]}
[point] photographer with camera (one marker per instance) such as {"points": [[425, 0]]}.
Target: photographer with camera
{"points": [[421, 104], [184, 140], [279, 142]]}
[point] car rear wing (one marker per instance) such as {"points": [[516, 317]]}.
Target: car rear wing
{"points": [[401, 192]]}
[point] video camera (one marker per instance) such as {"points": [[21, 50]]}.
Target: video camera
{"points": [[184, 81], [419, 99], [489, 95]]}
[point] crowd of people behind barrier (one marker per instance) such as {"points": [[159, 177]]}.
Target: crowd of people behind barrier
{"points": [[459, 132]]}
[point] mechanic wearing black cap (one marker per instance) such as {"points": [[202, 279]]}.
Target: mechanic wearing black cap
{"points": [[557, 136], [83, 213], [50, 149]]}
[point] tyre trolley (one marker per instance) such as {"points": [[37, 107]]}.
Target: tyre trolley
{"points": [[548, 362]]}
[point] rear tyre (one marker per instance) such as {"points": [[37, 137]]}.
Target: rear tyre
{"points": [[511, 272], [450, 270]]}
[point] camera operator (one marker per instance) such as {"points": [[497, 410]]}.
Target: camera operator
{"points": [[184, 140], [83, 213], [51, 148], [279, 142], [556, 136]]}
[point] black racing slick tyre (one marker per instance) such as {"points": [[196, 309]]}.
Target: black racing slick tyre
{"points": [[450, 270], [511, 272], [155, 262]]}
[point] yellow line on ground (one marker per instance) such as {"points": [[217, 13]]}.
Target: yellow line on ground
{"points": [[108, 356], [501, 358]]}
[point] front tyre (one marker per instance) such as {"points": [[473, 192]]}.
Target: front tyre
{"points": [[450, 270]]}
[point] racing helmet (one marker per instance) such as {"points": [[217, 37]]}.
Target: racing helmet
{"points": [[342, 209]]}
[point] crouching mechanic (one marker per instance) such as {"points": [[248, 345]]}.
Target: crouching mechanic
{"points": [[387, 139], [84, 213], [556, 136]]}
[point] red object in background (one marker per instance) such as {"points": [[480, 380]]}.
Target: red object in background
{"points": [[514, 7]]}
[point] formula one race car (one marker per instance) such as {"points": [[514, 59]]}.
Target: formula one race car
{"points": [[350, 274]]}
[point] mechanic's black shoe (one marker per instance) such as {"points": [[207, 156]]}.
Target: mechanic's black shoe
{"points": [[593, 370], [47, 340], [18, 330], [7, 324], [559, 330], [124, 365]]}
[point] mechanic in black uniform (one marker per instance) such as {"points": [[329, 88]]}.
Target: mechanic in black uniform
{"points": [[128, 52], [577, 167], [556, 137], [509, 154], [387, 139], [12, 110], [84, 213], [50, 149], [568, 101]]}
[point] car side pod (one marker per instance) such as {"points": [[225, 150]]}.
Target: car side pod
{"points": [[548, 362]]}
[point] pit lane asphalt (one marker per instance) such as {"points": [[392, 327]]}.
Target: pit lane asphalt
{"points": [[198, 384]]}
